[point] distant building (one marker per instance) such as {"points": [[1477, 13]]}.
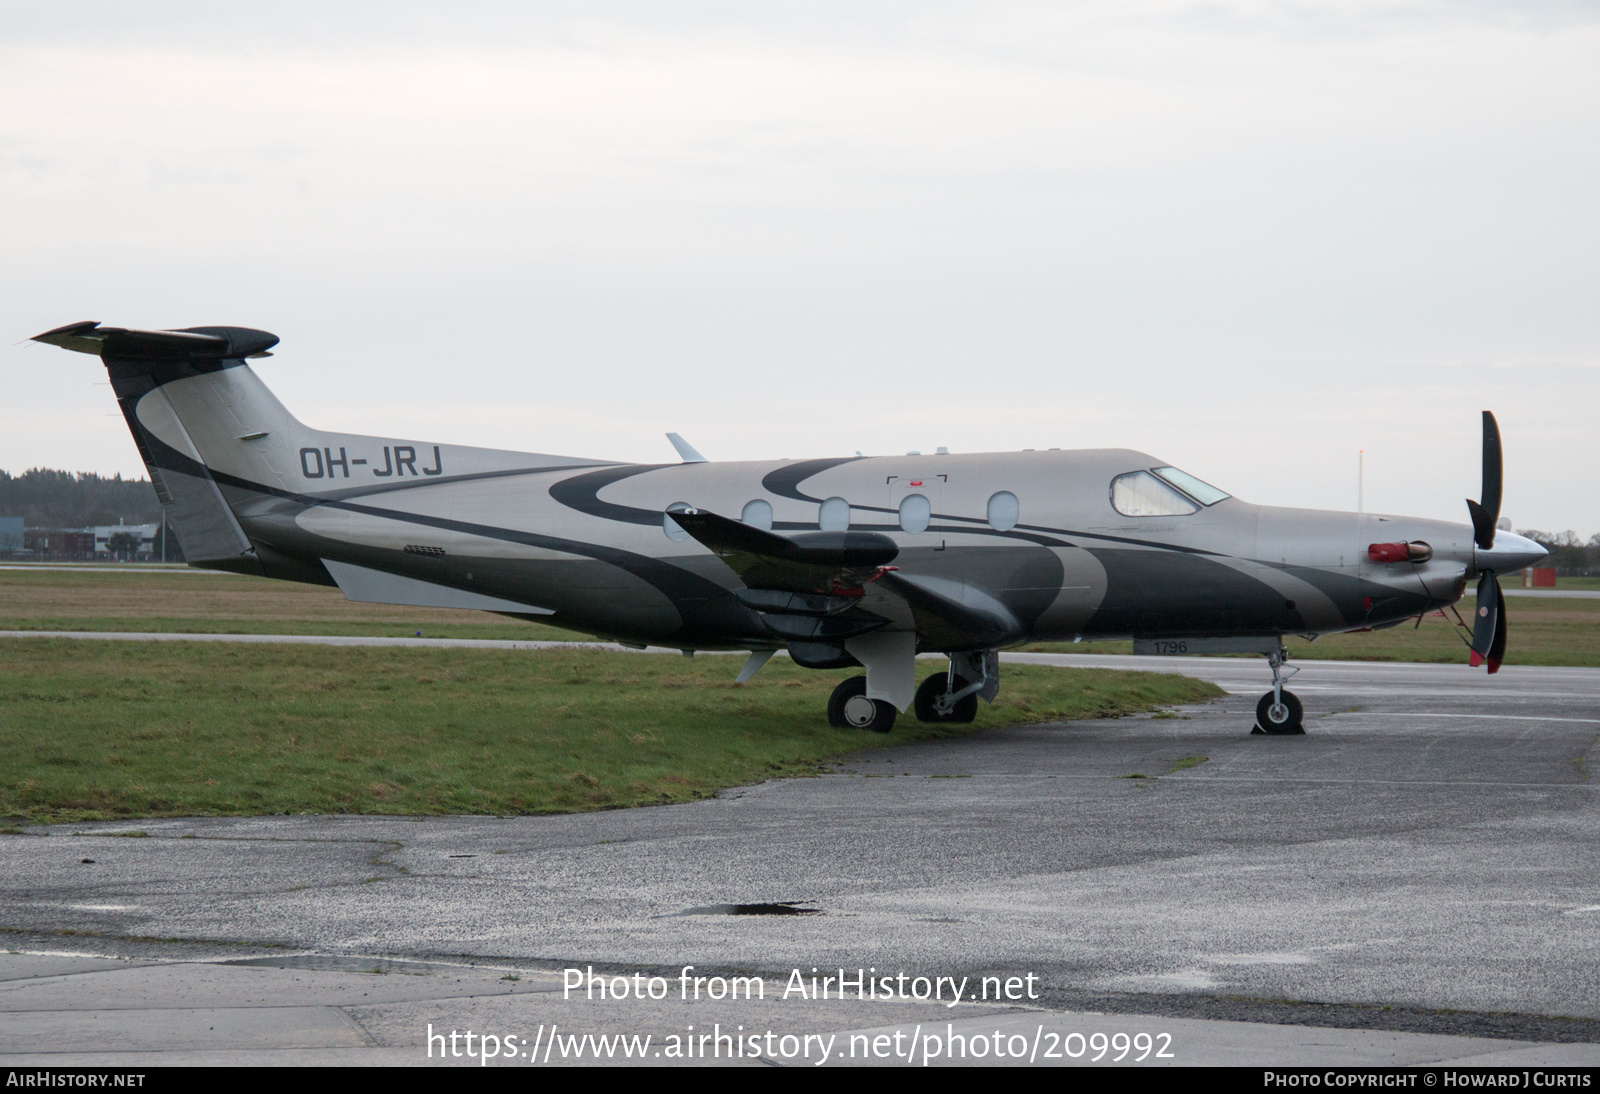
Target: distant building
{"points": [[11, 536], [142, 545], [60, 544]]}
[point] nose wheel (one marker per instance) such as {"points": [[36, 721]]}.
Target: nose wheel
{"points": [[1278, 712], [849, 708]]}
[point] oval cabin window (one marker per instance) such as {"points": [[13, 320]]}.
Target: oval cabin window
{"points": [[915, 512], [1003, 511], [757, 514], [834, 516]]}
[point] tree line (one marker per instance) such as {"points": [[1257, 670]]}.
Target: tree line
{"points": [[45, 498]]}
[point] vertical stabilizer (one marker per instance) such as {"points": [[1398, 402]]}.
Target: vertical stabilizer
{"points": [[185, 395], [196, 509]]}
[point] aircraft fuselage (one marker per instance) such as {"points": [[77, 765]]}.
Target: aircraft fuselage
{"points": [[843, 561]]}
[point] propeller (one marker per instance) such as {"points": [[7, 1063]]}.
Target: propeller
{"points": [[1489, 624], [1486, 513]]}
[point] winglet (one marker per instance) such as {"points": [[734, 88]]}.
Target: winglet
{"points": [[686, 450]]}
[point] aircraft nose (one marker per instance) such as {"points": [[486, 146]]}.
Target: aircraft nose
{"points": [[1510, 553]]}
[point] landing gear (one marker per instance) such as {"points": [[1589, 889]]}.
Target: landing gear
{"points": [[946, 697], [849, 708], [1279, 712], [1279, 717]]}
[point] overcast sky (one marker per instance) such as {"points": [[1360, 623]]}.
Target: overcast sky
{"points": [[1251, 239]]}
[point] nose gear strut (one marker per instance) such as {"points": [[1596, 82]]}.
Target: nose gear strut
{"points": [[1279, 712]]}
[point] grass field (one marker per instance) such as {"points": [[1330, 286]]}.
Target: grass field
{"points": [[130, 729], [196, 602]]}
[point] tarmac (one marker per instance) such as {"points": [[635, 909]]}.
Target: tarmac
{"points": [[1412, 882]]}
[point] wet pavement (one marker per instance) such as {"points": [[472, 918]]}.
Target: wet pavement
{"points": [[1418, 875]]}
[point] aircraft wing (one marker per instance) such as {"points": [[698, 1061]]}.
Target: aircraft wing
{"points": [[952, 615], [810, 587], [811, 562]]}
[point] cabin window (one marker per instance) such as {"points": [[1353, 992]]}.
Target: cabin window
{"points": [[1202, 492], [673, 529], [834, 516], [757, 514], [1141, 494], [915, 512], [1003, 511]]}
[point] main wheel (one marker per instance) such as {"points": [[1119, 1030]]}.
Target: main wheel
{"points": [[849, 708], [932, 689], [1280, 718]]}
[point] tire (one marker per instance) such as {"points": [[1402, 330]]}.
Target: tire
{"points": [[932, 688], [1288, 717], [848, 708]]}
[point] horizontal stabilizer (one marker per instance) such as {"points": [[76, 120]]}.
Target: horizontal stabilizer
{"points": [[189, 344], [378, 587], [811, 562]]}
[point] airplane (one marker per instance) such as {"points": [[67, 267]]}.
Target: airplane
{"points": [[843, 562]]}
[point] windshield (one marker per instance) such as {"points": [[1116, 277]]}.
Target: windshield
{"points": [[1202, 492], [1141, 494]]}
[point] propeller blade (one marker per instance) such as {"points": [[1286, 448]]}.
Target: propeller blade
{"points": [[1497, 649], [1482, 525], [1486, 510], [1486, 622]]}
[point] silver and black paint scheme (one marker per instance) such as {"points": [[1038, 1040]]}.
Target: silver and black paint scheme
{"points": [[840, 561]]}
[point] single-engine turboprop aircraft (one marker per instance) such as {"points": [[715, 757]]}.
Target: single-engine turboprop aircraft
{"points": [[854, 561]]}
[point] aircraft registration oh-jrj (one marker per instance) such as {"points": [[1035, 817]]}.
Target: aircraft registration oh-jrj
{"points": [[855, 561]]}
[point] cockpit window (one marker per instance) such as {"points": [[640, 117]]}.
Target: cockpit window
{"points": [[1141, 494], [1202, 492]]}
